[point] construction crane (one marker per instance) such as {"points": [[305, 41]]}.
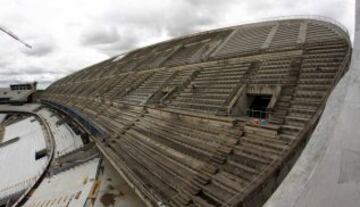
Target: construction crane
{"points": [[14, 36]]}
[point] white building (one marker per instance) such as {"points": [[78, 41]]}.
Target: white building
{"points": [[18, 93]]}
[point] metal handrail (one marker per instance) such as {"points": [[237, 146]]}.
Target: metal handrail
{"points": [[267, 113], [88, 124]]}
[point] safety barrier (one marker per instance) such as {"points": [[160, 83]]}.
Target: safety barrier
{"points": [[73, 113]]}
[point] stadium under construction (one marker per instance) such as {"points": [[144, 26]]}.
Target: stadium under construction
{"points": [[216, 118]]}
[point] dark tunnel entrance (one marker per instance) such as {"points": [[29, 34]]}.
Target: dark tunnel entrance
{"points": [[258, 106]]}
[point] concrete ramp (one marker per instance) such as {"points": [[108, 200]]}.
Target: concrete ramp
{"points": [[328, 171]]}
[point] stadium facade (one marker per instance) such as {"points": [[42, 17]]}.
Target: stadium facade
{"points": [[211, 119]]}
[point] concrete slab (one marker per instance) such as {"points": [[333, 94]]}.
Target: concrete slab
{"points": [[19, 168], [114, 191], [2, 117], [66, 140], [69, 188]]}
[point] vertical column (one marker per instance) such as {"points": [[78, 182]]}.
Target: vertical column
{"points": [[223, 43], [270, 36], [302, 33]]}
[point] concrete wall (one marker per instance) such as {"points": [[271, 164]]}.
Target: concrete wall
{"points": [[328, 171]]}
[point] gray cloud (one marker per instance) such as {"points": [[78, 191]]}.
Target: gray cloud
{"points": [[30, 70], [178, 18], [96, 35], [42, 45], [40, 50], [89, 33], [109, 40], [150, 22], [44, 79], [195, 15], [187, 22], [3, 63], [123, 45]]}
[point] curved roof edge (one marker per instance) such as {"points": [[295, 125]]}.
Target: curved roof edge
{"points": [[323, 19], [327, 171]]}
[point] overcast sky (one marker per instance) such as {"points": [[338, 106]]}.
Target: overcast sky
{"points": [[68, 35]]}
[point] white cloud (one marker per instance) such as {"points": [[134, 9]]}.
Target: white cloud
{"points": [[68, 35]]}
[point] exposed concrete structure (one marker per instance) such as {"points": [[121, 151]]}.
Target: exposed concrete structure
{"points": [[66, 140], [328, 171], [114, 190], [19, 168], [2, 117], [69, 188], [75, 177], [211, 119]]}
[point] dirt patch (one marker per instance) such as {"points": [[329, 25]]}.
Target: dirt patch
{"points": [[108, 199], [121, 194]]}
